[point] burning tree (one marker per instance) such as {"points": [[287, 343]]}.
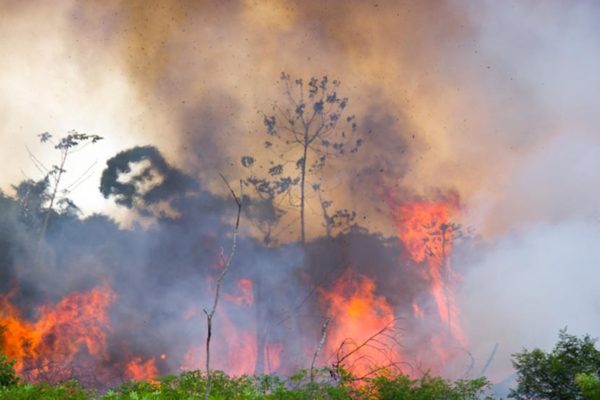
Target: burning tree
{"points": [[304, 131]]}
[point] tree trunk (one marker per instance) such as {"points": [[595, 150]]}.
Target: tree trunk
{"points": [[259, 367], [302, 184], [52, 198]]}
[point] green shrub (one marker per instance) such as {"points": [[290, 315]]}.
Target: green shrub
{"points": [[191, 386], [426, 388], [589, 385], [552, 375], [8, 376], [65, 391]]}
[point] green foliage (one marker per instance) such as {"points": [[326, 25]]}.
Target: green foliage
{"points": [[426, 388], [8, 376], [191, 386], [65, 391], [553, 375], [589, 385]]}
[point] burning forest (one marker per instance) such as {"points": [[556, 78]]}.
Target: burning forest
{"points": [[415, 195]]}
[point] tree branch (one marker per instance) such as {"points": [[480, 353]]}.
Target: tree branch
{"points": [[226, 265]]}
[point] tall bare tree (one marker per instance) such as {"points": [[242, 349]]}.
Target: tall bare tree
{"points": [[304, 131], [65, 145]]}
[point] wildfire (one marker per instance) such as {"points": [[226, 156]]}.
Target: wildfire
{"points": [[361, 334], [76, 326], [426, 231], [243, 295], [141, 370]]}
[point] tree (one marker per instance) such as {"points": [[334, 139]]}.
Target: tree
{"points": [[553, 375], [65, 145], [304, 132], [226, 263], [141, 178]]}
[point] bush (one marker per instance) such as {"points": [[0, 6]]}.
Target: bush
{"points": [[425, 388], [8, 376], [191, 385], [553, 375], [589, 385], [64, 391]]}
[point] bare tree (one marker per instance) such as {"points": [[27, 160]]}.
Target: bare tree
{"points": [[226, 261], [304, 132], [66, 146], [319, 348]]}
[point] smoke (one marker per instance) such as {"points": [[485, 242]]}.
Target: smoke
{"points": [[538, 208]]}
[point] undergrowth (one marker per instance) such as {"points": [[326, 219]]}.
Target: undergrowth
{"points": [[191, 386]]}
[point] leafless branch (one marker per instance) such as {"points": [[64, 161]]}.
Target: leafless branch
{"points": [[319, 347], [226, 265]]}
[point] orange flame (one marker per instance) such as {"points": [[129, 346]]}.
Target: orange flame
{"points": [[357, 315], [139, 370], [425, 229], [77, 324]]}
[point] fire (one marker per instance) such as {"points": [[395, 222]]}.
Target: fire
{"points": [[244, 295], [273, 353], [425, 229], [358, 316], [76, 326], [139, 370], [237, 352], [417, 311]]}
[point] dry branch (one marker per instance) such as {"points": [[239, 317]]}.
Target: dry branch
{"points": [[319, 347], [226, 264]]}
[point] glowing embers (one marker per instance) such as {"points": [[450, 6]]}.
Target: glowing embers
{"points": [[65, 337], [426, 231], [363, 336]]}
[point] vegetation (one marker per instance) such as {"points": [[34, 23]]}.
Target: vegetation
{"points": [[65, 145], [304, 132], [569, 371], [8, 377], [589, 385], [192, 385]]}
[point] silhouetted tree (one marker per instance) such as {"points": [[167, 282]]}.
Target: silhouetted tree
{"points": [[65, 145], [140, 178], [304, 131]]}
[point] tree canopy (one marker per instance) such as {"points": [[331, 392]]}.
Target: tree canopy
{"points": [[557, 374]]}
